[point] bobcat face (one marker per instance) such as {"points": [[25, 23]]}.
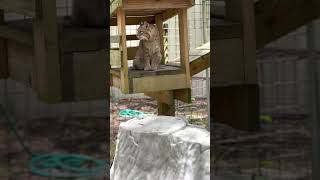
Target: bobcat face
{"points": [[144, 32]]}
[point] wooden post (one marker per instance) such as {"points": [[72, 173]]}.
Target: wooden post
{"points": [[166, 108], [237, 103], [184, 48], [159, 23], [46, 52], [4, 69], [121, 17]]}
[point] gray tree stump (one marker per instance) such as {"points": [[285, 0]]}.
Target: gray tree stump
{"points": [[161, 148]]}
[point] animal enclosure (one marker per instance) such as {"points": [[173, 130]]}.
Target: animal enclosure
{"points": [[51, 45]]}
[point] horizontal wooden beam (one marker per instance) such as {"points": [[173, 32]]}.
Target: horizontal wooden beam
{"points": [[155, 4], [158, 83], [272, 23], [13, 33], [134, 20], [24, 7], [183, 95]]}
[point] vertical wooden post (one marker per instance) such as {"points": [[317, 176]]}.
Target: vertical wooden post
{"points": [[167, 109], [184, 48], [238, 104], [46, 52], [159, 23], [121, 19], [4, 69]]}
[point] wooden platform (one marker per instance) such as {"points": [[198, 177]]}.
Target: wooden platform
{"points": [[165, 78]]}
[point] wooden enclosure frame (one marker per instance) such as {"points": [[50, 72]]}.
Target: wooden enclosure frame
{"points": [[164, 86]]}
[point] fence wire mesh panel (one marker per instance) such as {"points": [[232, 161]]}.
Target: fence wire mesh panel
{"points": [[72, 128], [282, 147], [197, 111]]}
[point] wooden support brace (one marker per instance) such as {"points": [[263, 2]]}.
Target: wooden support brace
{"points": [[121, 17], [166, 108], [4, 69], [46, 52]]}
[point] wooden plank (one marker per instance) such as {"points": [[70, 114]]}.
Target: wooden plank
{"points": [[184, 47], [200, 64], [114, 6], [20, 58], [155, 4], [123, 47], [75, 39], [272, 24], [159, 83], [222, 29], [134, 20], [169, 13], [161, 96], [67, 77], [13, 33], [229, 67], [90, 75], [24, 7], [4, 69], [46, 51], [167, 109], [236, 106], [183, 95], [116, 39], [249, 42]]}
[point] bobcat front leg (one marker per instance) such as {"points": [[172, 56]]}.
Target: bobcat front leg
{"points": [[147, 66], [156, 61]]}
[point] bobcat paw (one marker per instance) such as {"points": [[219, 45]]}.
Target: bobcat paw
{"points": [[147, 68]]}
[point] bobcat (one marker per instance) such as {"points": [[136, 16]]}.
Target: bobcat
{"points": [[148, 56]]}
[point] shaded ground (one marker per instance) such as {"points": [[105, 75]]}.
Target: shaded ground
{"points": [[280, 150], [50, 135]]}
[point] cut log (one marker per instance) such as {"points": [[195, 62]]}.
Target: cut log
{"points": [[161, 147]]}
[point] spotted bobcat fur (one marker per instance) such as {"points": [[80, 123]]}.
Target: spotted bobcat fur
{"points": [[148, 56]]}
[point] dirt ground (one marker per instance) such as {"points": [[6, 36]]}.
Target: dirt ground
{"points": [[50, 135], [279, 150]]}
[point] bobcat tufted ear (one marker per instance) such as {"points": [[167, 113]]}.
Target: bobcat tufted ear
{"points": [[146, 23]]}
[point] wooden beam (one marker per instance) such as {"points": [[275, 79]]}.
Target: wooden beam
{"points": [[184, 47], [183, 95], [272, 23], [249, 42], [158, 83], [46, 51], [134, 20], [28, 8], [167, 109], [4, 68], [200, 64], [121, 17], [12, 33], [237, 106], [222, 29], [167, 14], [155, 4]]}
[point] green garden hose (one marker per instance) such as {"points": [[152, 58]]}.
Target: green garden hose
{"points": [[47, 165]]}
